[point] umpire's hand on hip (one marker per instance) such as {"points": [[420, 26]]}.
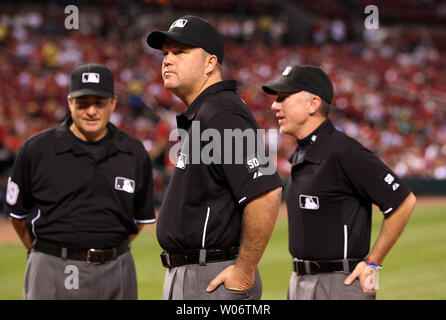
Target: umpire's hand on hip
{"points": [[233, 278], [362, 271]]}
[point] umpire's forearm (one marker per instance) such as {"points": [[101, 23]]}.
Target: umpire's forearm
{"points": [[391, 229], [133, 236], [259, 218], [22, 231]]}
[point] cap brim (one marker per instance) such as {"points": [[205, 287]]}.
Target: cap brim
{"points": [[156, 39], [91, 92], [279, 87]]}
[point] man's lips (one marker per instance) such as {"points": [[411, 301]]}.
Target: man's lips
{"points": [[91, 120], [168, 73]]}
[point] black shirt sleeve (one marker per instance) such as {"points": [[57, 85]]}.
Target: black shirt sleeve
{"points": [[19, 196], [372, 179], [244, 164], [144, 207]]}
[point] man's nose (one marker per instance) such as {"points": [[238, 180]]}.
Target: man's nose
{"points": [[167, 59], [92, 109], [276, 106]]}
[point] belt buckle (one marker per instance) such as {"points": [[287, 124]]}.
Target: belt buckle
{"points": [[95, 256], [296, 265], [165, 259]]}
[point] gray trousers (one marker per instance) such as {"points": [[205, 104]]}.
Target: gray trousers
{"points": [[325, 286], [52, 278], [189, 282]]}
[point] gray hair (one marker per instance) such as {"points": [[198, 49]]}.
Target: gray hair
{"points": [[325, 106]]}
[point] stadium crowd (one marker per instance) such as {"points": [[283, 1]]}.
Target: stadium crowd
{"points": [[390, 95]]}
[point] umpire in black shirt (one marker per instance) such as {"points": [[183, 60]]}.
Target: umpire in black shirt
{"points": [[78, 194], [334, 182], [211, 209]]}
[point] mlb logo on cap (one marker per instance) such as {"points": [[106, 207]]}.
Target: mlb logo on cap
{"points": [[286, 71], [180, 23], [192, 31], [296, 78], [90, 77]]}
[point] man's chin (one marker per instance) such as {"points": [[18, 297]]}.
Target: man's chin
{"points": [[91, 130], [285, 131], [170, 85]]}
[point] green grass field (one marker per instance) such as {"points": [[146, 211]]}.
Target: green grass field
{"points": [[414, 269]]}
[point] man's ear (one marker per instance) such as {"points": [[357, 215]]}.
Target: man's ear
{"points": [[315, 104], [114, 101], [211, 63], [70, 102]]}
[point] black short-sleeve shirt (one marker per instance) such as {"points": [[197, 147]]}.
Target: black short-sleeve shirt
{"points": [[76, 199], [330, 196], [205, 199]]}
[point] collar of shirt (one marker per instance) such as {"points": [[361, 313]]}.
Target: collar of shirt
{"points": [[314, 144], [190, 113], [66, 143]]}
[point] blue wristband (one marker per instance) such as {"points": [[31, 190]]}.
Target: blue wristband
{"points": [[371, 263]]}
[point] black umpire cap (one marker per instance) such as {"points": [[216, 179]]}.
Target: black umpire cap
{"points": [[308, 78], [193, 31], [91, 79]]}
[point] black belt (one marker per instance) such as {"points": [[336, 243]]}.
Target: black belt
{"points": [[93, 256], [302, 267], [192, 256]]}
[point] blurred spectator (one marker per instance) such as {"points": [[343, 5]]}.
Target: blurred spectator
{"points": [[389, 95]]}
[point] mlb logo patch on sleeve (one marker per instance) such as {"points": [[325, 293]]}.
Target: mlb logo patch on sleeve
{"points": [[125, 184], [12, 192]]}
